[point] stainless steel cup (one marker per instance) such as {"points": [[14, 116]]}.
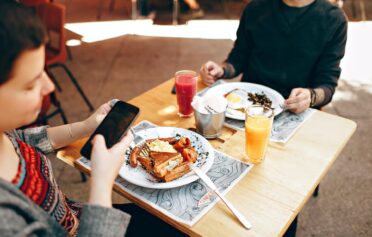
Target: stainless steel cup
{"points": [[209, 125]]}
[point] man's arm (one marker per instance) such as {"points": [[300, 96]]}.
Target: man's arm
{"points": [[325, 75], [237, 57], [327, 70]]}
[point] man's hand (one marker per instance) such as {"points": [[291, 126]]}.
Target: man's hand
{"points": [[299, 100], [106, 164], [210, 72]]}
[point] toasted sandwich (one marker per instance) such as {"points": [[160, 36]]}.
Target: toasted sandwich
{"points": [[163, 161], [177, 172]]}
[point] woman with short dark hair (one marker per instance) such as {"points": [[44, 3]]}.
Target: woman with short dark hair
{"points": [[31, 202]]}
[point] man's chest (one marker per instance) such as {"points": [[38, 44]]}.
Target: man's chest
{"points": [[273, 37]]}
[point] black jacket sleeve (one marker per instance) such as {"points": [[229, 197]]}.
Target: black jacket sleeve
{"points": [[238, 56], [327, 70]]}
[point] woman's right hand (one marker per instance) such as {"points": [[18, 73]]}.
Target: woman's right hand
{"points": [[210, 72], [106, 164]]}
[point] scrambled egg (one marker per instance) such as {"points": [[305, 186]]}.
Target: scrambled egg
{"points": [[161, 146]]}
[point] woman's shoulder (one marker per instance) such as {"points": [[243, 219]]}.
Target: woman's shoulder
{"points": [[34, 136], [12, 134]]}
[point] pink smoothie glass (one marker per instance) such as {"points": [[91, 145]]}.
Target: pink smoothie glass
{"points": [[186, 85]]}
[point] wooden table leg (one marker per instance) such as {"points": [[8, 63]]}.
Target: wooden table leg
{"points": [[134, 9], [362, 10], [100, 8], [175, 12]]}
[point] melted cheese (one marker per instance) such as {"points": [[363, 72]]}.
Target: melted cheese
{"points": [[161, 146], [172, 164]]}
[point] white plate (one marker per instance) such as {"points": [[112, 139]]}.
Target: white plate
{"points": [[140, 177], [224, 88]]}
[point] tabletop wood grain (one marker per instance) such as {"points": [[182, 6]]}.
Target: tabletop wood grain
{"points": [[272, 193]]}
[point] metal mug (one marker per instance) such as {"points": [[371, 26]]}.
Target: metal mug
{"points": [[209, 125]]}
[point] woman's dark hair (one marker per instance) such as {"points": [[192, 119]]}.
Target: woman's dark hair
{"points": [[20, 29]]}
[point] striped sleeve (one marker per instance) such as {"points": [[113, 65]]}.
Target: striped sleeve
{"points": [[36, 137]]}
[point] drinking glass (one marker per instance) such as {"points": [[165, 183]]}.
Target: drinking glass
{"points": [[258, 124], [186, 85]]}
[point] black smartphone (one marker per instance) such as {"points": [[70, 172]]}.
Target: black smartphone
{"points": [[114, 126]]}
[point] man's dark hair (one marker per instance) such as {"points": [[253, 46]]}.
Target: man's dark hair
{"points": [[20, 29]]}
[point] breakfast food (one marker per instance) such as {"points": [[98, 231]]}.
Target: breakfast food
{"points": [[260, 99], [237, 99], [165, 158]]}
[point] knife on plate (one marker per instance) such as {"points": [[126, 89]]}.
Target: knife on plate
{"points": [[211, 185]]}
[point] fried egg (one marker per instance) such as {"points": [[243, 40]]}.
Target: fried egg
{"points": [[237, 99]]}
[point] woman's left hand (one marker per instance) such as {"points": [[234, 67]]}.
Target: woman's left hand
{"points": [[299, 100], [97, 117]]}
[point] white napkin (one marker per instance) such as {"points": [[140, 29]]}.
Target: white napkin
{"points": [[209, 104]]}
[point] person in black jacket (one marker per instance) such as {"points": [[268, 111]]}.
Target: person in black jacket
{"points": [[293, 46]]}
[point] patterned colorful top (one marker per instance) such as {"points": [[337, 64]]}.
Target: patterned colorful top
{"points": [[35, 177]]}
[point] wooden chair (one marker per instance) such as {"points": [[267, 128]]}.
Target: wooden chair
{"points": [[44, 116], [361, 7], [112, 6], [175, 11], [53, 16]]}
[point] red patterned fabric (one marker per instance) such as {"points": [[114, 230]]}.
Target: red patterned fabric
{"points": [[35, 179]]}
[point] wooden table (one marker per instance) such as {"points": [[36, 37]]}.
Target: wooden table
{"points": [[274, 192]]}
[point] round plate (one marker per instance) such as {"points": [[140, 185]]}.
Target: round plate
{"points": [[140, 177], [276, 98]]}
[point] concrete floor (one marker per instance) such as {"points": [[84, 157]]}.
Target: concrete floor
{"points": [[135, 60]]}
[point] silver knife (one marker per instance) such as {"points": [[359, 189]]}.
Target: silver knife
{"points": [[211, 185]]}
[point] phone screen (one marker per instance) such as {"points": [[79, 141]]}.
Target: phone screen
{"points": [[114, 126]]}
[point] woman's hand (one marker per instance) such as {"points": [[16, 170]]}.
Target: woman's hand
{"points": [[210, 72], [299, 100], [97, 117], [106, 164]]}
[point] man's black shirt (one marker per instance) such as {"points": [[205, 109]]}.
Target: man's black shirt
{"points": [[284, 54], [293, 14]]}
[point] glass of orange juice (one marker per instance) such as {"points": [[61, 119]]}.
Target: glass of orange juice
{"points": [[258, 123]]}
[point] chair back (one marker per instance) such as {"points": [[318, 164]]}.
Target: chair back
{"points": [[53, 17]]}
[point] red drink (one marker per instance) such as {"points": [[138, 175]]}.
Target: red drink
{"points": [[185, 90]]}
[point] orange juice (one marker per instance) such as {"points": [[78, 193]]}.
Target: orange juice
{"points": [[257, 133]]}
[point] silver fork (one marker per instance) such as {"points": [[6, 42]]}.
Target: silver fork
{"points": [[141, 143], [210, 109], [136, 138], [283, 107], [145, 149]]}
